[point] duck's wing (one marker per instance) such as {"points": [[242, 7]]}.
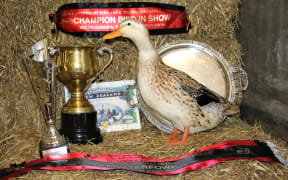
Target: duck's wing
{"points": [[201, 93]]}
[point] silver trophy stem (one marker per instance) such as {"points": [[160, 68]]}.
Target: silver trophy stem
{"points": [[52, 142], [53, 95], [52, 139]]}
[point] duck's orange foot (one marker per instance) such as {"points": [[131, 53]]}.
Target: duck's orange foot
{"points": [[174, 135], [184, 138]]}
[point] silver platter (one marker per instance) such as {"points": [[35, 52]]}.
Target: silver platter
{"points": [[204, 64]]}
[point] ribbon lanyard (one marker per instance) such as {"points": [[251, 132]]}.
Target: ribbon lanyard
{"points": [[198, 159]]}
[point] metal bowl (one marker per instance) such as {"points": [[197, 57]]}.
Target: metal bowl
{"points": [[204, 64]]}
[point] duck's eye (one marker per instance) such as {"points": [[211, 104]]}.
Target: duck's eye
{"points": [[129, 24]]}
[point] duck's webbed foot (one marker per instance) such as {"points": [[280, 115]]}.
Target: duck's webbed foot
{"points": [[174, 135], [184, 137]]}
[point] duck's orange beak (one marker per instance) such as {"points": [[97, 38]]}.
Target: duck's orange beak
{"points": [[113, 34]]}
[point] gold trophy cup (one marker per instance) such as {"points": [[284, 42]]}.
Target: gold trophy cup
{"points": [[77, 68]]}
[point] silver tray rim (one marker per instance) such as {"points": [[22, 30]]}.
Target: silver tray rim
{"points": [[165, 125]]}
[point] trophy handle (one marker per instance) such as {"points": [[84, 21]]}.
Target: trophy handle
{"points": [[101, 51], [108, 50]]}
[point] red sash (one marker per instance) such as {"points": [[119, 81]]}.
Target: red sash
{"points": [[96, 19]]}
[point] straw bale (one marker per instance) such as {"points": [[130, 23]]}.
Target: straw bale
{"points": [[25, 22], [213, 23], [16, 149]]}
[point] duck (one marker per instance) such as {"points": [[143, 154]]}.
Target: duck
{"points": [[169, 93]]}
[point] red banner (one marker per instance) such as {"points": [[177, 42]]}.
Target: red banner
{"points": [[94, 19]]}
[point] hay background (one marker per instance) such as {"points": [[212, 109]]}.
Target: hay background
{"points": [[25, 22]]}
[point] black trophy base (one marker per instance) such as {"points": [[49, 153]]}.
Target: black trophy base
{"points": [[81, 127]]}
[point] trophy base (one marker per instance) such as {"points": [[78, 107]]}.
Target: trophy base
{"points": [[46, 150], [81, 127]]}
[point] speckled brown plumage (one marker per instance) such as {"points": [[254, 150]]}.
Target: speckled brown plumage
{"points": [[167, 92], [175, 87]]}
